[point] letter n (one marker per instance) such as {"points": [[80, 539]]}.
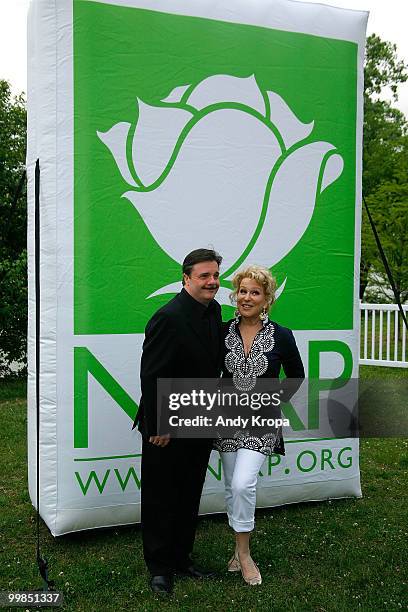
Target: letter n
{"points": [[85, 363]]}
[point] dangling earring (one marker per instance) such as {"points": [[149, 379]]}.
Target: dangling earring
{"points": [[237, 315], [264, 315]]}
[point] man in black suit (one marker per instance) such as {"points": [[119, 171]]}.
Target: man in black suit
{"points": [[183, 340]]}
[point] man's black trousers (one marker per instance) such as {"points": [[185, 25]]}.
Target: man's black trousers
{"points": [[172, 479]]}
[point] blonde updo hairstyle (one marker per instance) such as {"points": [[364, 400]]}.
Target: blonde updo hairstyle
{"points": [[259, 274]]}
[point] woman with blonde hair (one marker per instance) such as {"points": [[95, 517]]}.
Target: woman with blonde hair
{"points": [[254, 347]]}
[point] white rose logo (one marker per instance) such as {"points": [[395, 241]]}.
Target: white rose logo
{"points": [[223, 164]]}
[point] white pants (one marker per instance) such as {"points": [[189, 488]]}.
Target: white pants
{"points": [[241, 469]]}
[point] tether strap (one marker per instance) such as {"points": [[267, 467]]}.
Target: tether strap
{"points": [[42, 563], [385, 262]]}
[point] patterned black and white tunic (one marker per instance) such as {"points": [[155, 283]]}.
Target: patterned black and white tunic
{"points": [[273, 346]]}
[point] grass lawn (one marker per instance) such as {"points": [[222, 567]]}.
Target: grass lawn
{"points": [[347, 554]]}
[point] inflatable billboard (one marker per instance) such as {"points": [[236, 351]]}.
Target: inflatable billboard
{"points": [[160, 127]]}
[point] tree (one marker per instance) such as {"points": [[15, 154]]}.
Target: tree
{"points": [[13, 215], [384, 130], [389, 208]]}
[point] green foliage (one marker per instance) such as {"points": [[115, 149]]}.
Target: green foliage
{"points": [[388, 205], [13, 311], [382, 67], [385, 130], [13, 215]]}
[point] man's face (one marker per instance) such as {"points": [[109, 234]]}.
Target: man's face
{"points": [[203, 283]]}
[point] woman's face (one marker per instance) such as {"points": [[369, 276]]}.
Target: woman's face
{"points": [[250, 298]]}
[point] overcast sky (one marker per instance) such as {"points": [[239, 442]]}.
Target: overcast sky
{"points": [[388, 18]]}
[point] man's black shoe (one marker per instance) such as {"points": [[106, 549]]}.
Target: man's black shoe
{"points": [[162, 584], [194, 572]]}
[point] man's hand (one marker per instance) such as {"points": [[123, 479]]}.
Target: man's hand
{"points": [[160, 440]]}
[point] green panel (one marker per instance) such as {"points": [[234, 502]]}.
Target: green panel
{"points": [[121, 54]]}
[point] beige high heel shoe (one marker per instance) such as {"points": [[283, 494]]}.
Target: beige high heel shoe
{"points": [[234, 564], [252, 578]]}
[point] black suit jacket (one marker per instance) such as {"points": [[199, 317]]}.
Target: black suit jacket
{"points": [[176, 345]]}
